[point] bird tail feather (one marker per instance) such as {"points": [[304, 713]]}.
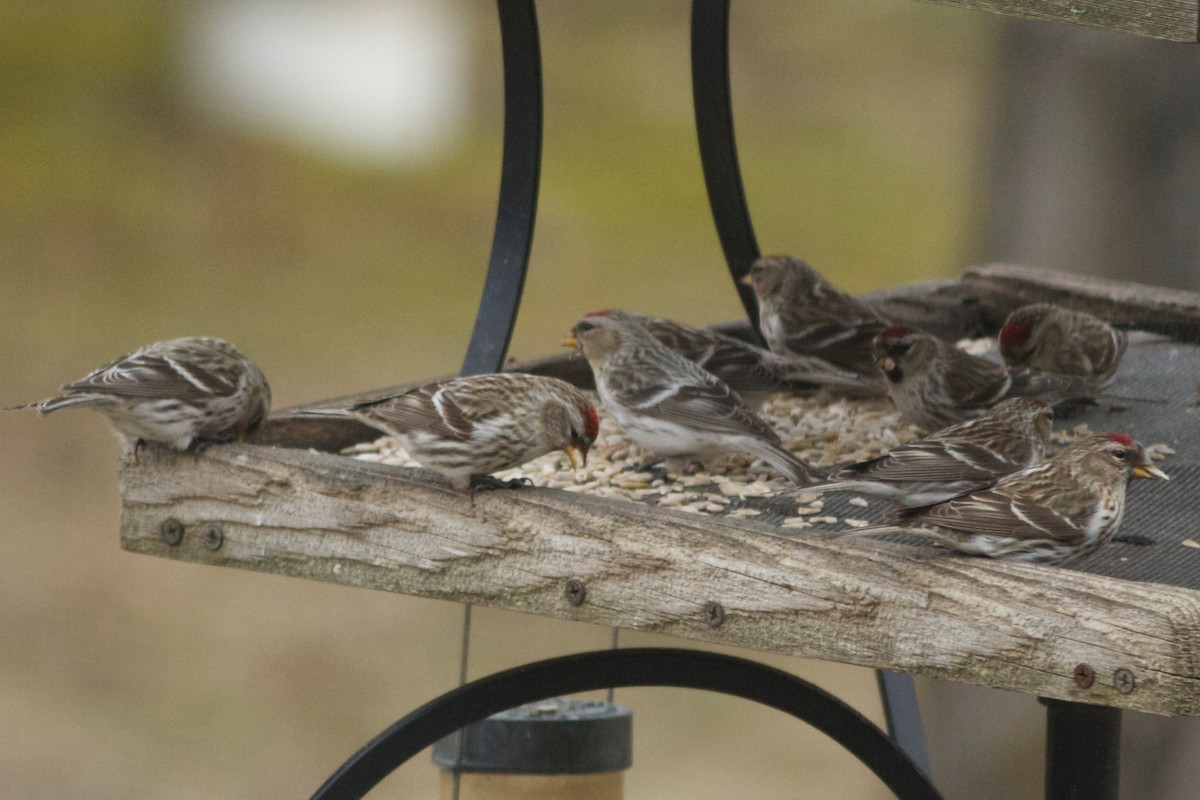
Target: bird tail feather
{"points": [[793, 468], [52, 404]]}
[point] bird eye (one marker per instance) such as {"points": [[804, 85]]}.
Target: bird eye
{"points": [[1120, 454], [584, 326]]}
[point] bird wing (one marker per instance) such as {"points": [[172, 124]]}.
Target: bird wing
{"points": [[150, 373], [825, 330], [996, 512], [708, 405], [434, 408], [974, 382], [1050, 386], [931, 461]]}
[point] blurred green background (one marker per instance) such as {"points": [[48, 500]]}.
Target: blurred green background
{"points": [[133, 207]]}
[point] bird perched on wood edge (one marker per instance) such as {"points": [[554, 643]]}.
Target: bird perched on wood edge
{"points": [[186, 393], [467, 428], [1010, 436], [1055, 512]]}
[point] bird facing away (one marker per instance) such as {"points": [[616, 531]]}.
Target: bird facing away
{"points": [[1053, 513], [1049, 338], [185, 393], [468, 428], [670, 406], [802, 314], [971, 455], [934, 384], [753, 373]]}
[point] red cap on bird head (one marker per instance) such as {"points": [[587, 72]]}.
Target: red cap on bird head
{"points": [[1015, 334]]}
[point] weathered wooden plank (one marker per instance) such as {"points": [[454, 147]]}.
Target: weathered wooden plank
{"points": [[1176, 20], [331, 518], [999, 288]]}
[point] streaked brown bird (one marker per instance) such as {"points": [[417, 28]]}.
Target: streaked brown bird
{"points": [[186, 393], [467, 428], [971, 455], [934, 384], [1055, 512], [802, 314], [1049, 338], [670, 406], [753, 373]]}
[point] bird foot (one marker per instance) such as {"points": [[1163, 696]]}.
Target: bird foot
{"points": [[684, 466], [655, 469], [487, 483], [1133, 538]]}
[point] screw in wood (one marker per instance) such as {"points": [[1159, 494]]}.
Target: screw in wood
{"points": [[714, 615], [1085, 676], [1124, 681], [171, 531], [214, 537], [575, 591]]}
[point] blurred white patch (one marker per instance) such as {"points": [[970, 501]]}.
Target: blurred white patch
{"points": [[379, 81]]}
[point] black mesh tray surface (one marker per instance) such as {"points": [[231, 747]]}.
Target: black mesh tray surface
{"points": [[1159, 539]]}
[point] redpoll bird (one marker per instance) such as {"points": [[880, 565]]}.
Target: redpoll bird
{"points": [[470, 427], [1049, 338], [934, 384], [802, 314], [186, 392], [962, 458], [1053, 513], [670, 406], [753, 373]]}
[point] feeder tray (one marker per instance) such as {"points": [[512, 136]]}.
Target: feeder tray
{"points": [[1131, 613]]}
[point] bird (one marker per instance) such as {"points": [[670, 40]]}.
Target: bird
{"points": [[467, 428], [1049, 338], [934, 384], [802, 314], [1055, 512], [1010, 436], [754, 373], [669, 405], [186, 393]]}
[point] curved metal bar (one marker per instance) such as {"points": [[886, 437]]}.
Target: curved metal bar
{"points": [[690, 669], [1083, 751], [899, 695], [718, 151], [519, 174]]}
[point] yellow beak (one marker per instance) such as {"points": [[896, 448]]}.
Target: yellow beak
{"points": [[571, 450], [570, 341], [1149, 471], [747, 279]]}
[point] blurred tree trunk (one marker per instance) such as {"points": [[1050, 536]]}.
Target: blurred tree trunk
{"points": [[1095, 154]]}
